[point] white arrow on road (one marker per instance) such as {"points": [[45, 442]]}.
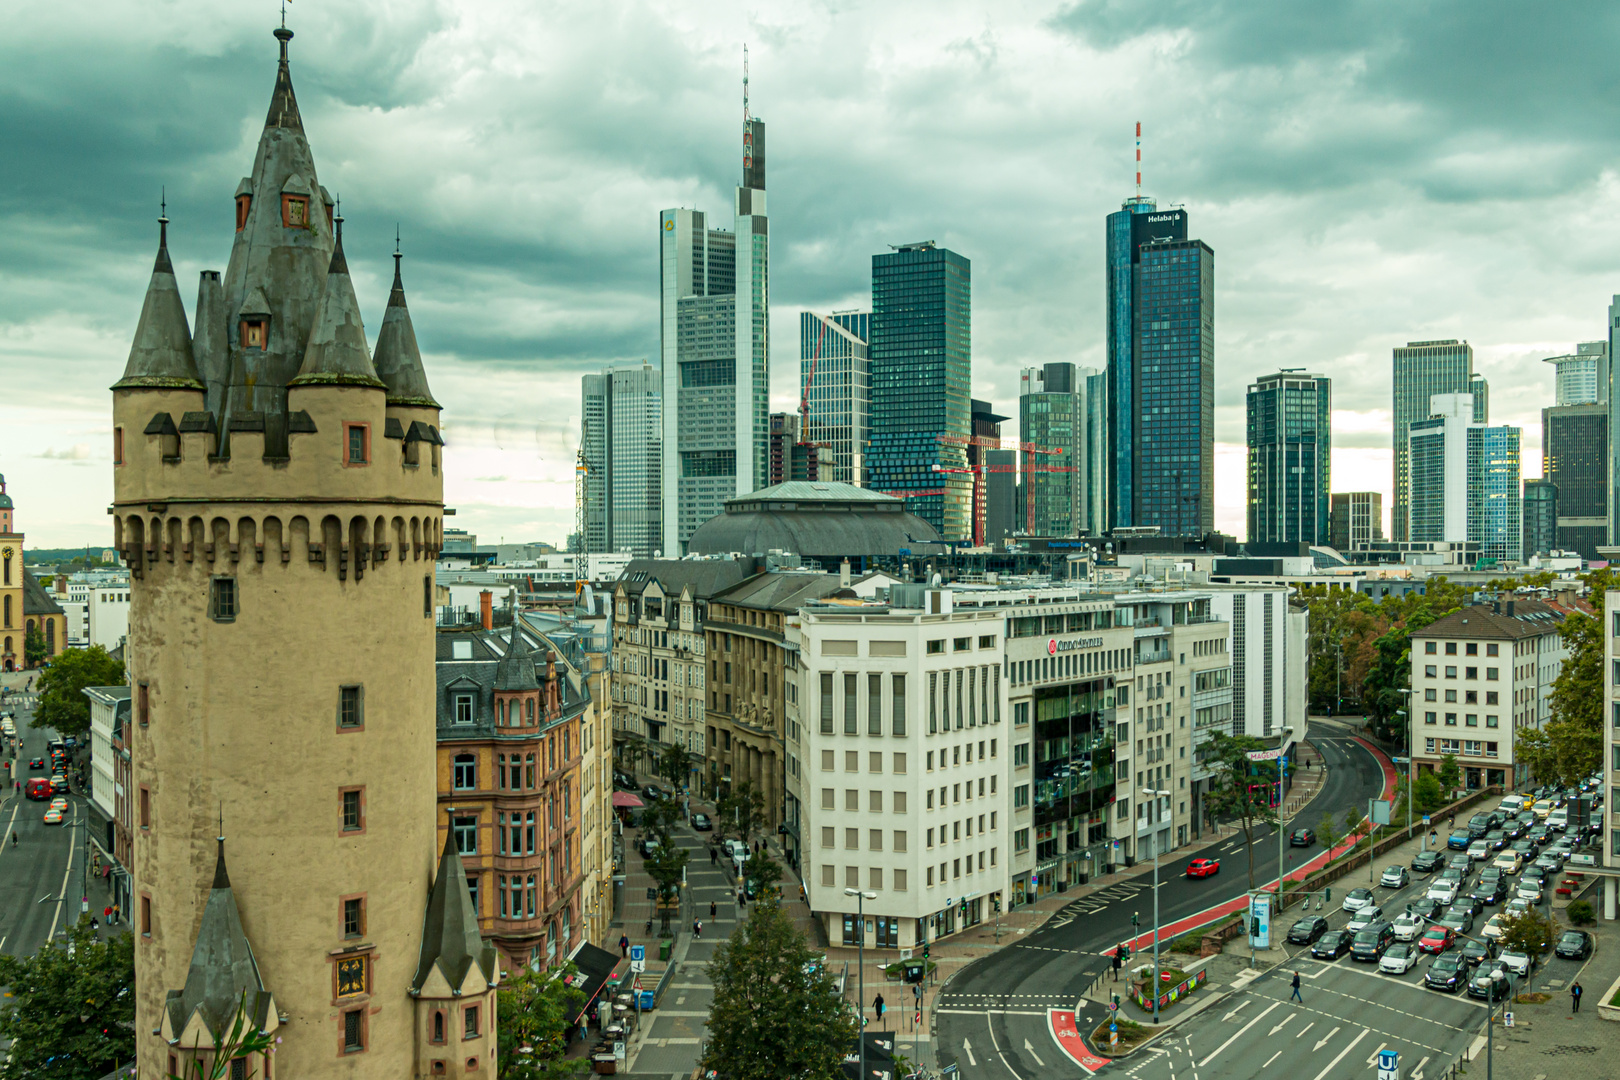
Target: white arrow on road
{"points": [[1335, 1062], [1323, 1040], [1279, 1027], [1417, 1073], [967, 1048], [1373, 1057], [1030, 1050], [1233, 1013]]}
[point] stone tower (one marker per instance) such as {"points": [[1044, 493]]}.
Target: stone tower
{"points": [[279, 503]]}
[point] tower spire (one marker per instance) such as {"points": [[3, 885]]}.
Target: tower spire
{"points": [[748, 126], [1139, 159]]}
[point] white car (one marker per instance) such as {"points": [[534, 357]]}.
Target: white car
{"points": [[1408, 927], [1516, 961], [1365, 917], [1519, 905], [1493, 927], [1444, 892], [1528, 889], [1356, 899], [1509, 862], [1398, 958]]}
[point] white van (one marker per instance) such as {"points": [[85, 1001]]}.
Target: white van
{"points": [[1512, 804], [1558, 819]]}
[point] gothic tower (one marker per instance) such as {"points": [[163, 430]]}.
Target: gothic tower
{"points": [[279, 503]]}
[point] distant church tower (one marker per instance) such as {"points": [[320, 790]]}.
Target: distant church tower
{"points": [[279, 502]]}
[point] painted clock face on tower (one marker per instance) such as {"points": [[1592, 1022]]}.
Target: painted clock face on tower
{"points": [[351, 976]]}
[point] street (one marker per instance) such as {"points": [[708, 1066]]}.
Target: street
{"points": [[998, 1014]]}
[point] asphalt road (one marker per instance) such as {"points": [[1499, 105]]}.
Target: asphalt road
{"points": [[40, 876], [994, 1017]]}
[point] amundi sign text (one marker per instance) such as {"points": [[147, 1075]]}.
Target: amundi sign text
{"points": [[1054, 646]]}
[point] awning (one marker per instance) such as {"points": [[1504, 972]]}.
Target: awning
{"points": [[626, 798], [595, 965]]}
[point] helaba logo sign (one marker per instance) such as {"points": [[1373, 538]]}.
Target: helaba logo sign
{"points": [[1054, 646], [1155, 218]]}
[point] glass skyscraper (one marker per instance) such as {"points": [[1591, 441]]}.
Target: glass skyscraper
{"points": [[714, 334], [1423, 369], [1290, 436], [921, 362], [1465, 480], [1574, 456], [623, 434], [834, 347], [1060, 408], [1540, 517]]}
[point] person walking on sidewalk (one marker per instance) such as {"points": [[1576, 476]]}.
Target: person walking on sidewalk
{"points": [[1295, 984], [1575, 995], [714, 911], [624, 946], [697, 928], [1119, 962]]}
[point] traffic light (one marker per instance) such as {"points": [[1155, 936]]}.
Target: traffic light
{"points": [[1327, 894], [877, 1004], [925, 950], [1134, 921], [1254, 926]]}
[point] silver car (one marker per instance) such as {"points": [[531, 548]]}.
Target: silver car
{"points": [[1395, 877]]}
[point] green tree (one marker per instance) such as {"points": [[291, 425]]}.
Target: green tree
{"points": [[1327, 833], [1233, 778], [33, 647], [1570, 746], [667, 867], [1429, 795], [1353, 818], [762, 870], [70, 1009], [675, 766], [742, 811], [1528, 932], [536, 1011], [1450, 774], [777, 1015], [62, 704]]}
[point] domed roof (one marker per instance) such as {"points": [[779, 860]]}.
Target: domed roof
{"points": [[815, 519]]}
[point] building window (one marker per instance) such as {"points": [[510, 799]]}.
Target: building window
{"points": [[353, 811], [354, 916], [826, 703], [356, 444], [146, 807], [438, 1029], [899, 703], [466, 829], [354, 1030], [146, 915], [1021, 840], [1429, 648], [350, 712], [850, 693], [469, 1022], [465, 772], [222, 599], [243, 202], [427, 590], [295, 211], [874, 704], [118, 459], [255, 333], [143, 704], [464, 708]]}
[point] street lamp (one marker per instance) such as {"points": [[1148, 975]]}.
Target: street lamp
{"points": [[1150, 793], [860, 968], [1490, 1015], [1282, 784]]}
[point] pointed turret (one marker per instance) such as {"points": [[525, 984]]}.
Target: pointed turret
{"points": [[451, 943], [398, 361], [161, 353], [515, 671], [337, 354], [223, 972], [210, 340], [283, 104]]}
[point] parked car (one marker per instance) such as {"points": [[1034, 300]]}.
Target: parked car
{"points": [[1307, 930], [1301, 838], [1204, 868], [1356, 899], [1427, 862], [1332, 945], [1517, 961], [1398, 959], [1447, 973], [1408, 927], [1395, 877], [652, 792], [1574, 945], [1437, 940], [1371, 941], [701, 823]]}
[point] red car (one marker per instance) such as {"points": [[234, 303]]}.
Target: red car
{"points": [[1203, 867], [1437, 939]]}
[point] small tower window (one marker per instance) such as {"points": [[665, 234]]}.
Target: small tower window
{"points": [[357, 444], [243, 203], [255, 333], [295, 211], [222, 599], [118, 446]]}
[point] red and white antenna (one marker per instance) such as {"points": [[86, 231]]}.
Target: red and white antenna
{"points": [[748, 127], [1138, 154]]}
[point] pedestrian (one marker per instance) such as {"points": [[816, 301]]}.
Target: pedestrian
{"points": [[1295, 984], [106, 913], [1451, 823], [802, 899], [116, 913], [649, 926], [1119, 962], [697, 928], [624, 945], [714, 911], [742, 900], [1575, 994], [93, 924], [714, 856]]}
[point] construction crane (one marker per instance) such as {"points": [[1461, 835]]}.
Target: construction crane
{"points": [[581, 471]]}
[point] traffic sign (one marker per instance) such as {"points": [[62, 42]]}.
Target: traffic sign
{"points": [[1389, 1063], [638, 958], [1507, 1019]]}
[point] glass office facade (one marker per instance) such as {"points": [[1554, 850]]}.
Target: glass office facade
{"points": [[1575, 452], [1494, 499], [834, 347], [1289, 436], [921, 364], [1073, 771], [1423, 369], [1540, 517], [623, 435]]}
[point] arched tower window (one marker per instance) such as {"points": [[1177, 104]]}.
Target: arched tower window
{"points": [[6, 559], [529, 709], [50, 637], [8, 611]]}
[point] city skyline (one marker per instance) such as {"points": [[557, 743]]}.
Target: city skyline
{"points": [[541, 285]]}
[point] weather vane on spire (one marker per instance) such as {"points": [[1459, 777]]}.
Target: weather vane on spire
{"points": [[284, 4], [163, 203]]}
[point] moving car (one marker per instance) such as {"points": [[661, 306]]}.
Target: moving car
{"points": [[53, 816], [1398, 958], [1542, 808], [1470, 904], [1479, 850], [1204, 867], [1395, 877], [1356, 899], [1408, 927], [701, 823], [1459, 841], [1301, 838], [1518, 906], [652, 792], [1474, 950], [1517, 961], [1447, 973], [1427, 862], [1444, 891], [1365, 917], [38, 788], [1509, 862], [59, 784], [1460, 921], [1370, 942], [1425, 909], [1490, 892], [1492, 930], [648, 845], [1307, 930], [1437, 940], [59, 803], [1485, 986], [1332, 945], [1497, 839], [1573, 945], [36, 764]]}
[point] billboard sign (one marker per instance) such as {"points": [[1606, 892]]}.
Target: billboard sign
{"points": [[1260, 921]]}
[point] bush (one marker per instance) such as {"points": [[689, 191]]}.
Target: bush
{"points": [[1580, 913]]}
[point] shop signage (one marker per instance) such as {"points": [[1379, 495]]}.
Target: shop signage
{"points": [[1054, 646]]}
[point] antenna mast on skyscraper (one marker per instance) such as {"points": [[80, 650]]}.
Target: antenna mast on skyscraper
{"points": [[1138, 157], [748, 128]]}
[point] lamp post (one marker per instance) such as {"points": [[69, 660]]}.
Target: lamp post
{"points": [[860, 967], [1411, 763], [1282, 783], [1155, 795], [1490, 1016]]}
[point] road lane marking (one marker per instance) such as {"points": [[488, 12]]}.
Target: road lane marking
{"points": [[967, 1048], [1373, 1057], [1061, 1024], [996, 1046], [1279, 1027], [1323, 1040], [1306, 1028], [1240, 1031], [1030, 1050], [1417, 1073], [1342, 1053], [1234, 1012], [1272, 1058]]}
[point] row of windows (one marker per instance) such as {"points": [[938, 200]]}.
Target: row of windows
{"points": [[1466, 747], [1468, 672], [1471, 648], [852, 800], [1470, 719]]}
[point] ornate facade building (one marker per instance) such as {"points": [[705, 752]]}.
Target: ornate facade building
{"points": [[25, 607], [278, 501]]}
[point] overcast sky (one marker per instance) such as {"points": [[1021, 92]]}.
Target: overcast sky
{"points": [[1367, 174]]}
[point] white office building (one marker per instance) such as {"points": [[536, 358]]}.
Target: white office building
{"points": [[623, 432]]}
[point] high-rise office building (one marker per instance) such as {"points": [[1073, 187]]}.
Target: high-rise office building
{"points": [[1423, 369], [835, 376], [1583, 375], [922, 361], [1575, 456], [623, 434], [1061, 412], [790, 458], [1540, 517], [1290, 437], [1002, 513], [1612, 503], [985, 424], [714, 335], [1161, 371], [1354, 518], [1465, 480]]}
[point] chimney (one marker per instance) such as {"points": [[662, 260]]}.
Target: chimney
{"points": [[486, 609], [1509, 611], [843, 573]]}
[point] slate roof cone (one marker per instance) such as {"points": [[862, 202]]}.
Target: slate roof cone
{"points": [[398, 361], [451, 943], [516, 669], [223, 970], [337, 353], [161, 353]]}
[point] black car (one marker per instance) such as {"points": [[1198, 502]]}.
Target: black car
{"points": [[701, 823], [648, 845], [1497, 839], [1474, 950], [1425, 909], [1574, 945], [37, 764], [652, 792], [1459, 840], [1448, 973], [1333, 944], [1477, 831], [623, 781], [1307, 930], [1471, 904], [1463, 862], [1514, 828], [1525, 847], [1427, 862], [1484, 986], [1301, 838], [1490, 892], [1370, 943]]}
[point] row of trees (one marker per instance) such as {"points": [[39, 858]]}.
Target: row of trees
{"points": [[1569, 747]]}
